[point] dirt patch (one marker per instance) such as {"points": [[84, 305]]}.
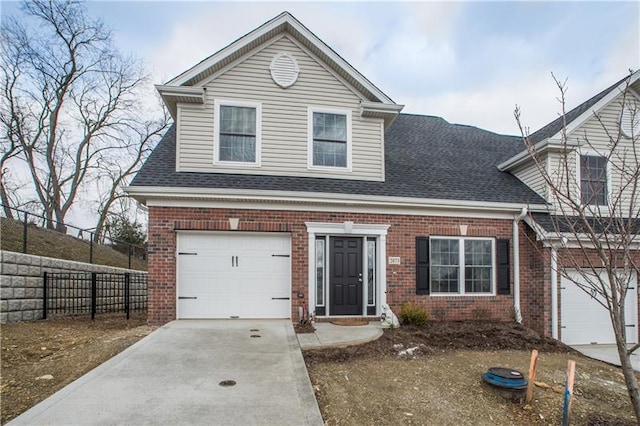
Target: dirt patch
{"points": [[39, 358], [432, 375], [305, 327]]}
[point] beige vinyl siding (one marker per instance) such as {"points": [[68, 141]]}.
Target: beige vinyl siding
{"points": [[593, 138], [195, 136], [284, 118], [530, 175]]}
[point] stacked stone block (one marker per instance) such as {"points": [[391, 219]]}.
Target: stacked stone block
{"points": [[21, 282]]}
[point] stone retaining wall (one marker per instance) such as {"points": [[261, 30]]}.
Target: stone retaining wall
{"points": [[21, 282]]}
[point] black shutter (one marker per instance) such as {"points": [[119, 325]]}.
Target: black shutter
{"points": [[422, 265], [504, 284]]}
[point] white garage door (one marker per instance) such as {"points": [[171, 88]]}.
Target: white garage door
{"points": [[233, 275], [585, 321]]}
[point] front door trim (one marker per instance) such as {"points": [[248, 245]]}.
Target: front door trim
{"points": [[354, 230]]}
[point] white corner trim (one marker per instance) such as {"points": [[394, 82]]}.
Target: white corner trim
{"points": [[216, 132]]}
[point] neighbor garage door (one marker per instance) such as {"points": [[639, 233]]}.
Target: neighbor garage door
{"points": [[585, 321], [233, 275]]}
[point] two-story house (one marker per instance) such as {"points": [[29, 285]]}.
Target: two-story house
{"points": [[291, 185]]}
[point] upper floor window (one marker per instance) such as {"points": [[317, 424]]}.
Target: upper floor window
{"points": [[237, 137], [330, 138], [593, 180]]}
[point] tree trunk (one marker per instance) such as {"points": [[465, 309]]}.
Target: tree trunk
{"points": [[4, 198], [630, 378]]}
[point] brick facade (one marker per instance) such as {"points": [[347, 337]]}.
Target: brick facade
{"points": [[535, 282], [400, 242]]}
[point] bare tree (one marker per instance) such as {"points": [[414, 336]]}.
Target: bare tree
{"points": [[68, 100], [596, 218], [114, 175]]}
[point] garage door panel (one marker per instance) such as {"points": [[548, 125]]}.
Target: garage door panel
{"points": [[234, 275], [585, 321]]}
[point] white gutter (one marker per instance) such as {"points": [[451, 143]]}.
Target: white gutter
{"points": [[516, 265], [554, 293], [142, 193]]}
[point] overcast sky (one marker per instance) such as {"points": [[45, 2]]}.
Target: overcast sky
{"points": [[469, 62]]}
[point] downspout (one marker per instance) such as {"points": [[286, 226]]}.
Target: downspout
{"points": [[516, 266], [554, 293]]}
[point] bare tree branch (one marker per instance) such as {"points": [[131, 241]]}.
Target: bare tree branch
{"points": [[597, 242], [68, 97]]}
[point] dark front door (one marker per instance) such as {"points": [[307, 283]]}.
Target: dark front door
{"points": [[345, 288]]}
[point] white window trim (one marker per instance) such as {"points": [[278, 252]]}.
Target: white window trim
{"points": [[325, 268], [592, 152], [216, 134], [461, 265], [347, 113]]}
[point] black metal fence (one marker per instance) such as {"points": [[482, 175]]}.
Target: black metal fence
{"points": [[93, 293], [28, 220]]}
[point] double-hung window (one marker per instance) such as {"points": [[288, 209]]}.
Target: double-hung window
{"points": [[237, 137], [593, 180], [329, 139], [462, 266]]}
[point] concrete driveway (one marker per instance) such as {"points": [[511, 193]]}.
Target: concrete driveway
{"points": [[173, 377], [607, 353]]}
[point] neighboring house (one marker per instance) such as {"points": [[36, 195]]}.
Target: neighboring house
{"points": [[291, 185]]}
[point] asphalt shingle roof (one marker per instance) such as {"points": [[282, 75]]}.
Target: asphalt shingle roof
{"points": [[425, 157]]}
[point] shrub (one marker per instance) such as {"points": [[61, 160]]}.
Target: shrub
{"points": [[411, 313]]}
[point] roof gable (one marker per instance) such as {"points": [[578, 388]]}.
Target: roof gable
{"points": [[285, 22], [549, 136], [578, 115]]}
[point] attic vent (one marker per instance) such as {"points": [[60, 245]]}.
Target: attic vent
{"points": [[630, 119], [284, 70]]}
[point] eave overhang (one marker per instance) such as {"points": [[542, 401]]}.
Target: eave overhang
{"points": [[145, 193], [542, 147], [388, 112], [172, 95]]}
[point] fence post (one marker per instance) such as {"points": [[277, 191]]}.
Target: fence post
{"points": [[127, 292], [24, 234], [93, 295], [44, 295], [90, 247], [129, 248]]}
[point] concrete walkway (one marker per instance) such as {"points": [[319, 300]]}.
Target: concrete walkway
{"points": [[172, 377], [607, 353], [329, 335]]}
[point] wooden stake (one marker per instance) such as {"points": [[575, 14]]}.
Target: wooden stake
{"points": [[532, 375], [568, 393]]}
